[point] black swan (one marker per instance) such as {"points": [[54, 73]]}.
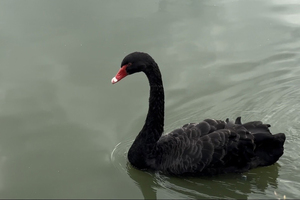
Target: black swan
{"points": [[206, 148]]}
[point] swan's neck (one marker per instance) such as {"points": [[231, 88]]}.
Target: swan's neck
{"points": [[143, 148], [154, 124]]}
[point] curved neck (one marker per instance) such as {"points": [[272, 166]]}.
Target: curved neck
{"points": [[154, 124], [143, 146]]}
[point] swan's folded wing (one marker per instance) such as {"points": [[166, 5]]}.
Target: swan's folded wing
{"points": [[197, 150]]}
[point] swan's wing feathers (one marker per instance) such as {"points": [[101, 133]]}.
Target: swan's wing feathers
{"points": [[203, 128], [215, 124], [215, 146], [191, 151], [238, 120], [253, 126], [257, 127]]}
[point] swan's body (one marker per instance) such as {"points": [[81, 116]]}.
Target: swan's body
{"points": [[205, 148]]}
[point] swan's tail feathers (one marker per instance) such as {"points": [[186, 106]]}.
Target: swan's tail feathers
{"points": [[269, 148]]}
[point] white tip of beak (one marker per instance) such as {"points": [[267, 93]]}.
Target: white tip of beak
{"points": [[114, 80]]}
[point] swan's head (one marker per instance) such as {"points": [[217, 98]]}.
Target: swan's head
{"points": [[133, 63]]}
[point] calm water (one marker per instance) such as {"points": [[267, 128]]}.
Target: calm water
{"points": [[65, 129]]}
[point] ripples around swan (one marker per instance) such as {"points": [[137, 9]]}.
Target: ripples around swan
{"points": [[269, 94], [238, 186]]}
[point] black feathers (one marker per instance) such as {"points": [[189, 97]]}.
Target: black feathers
{"points": [[215, 146], [205, 148]]}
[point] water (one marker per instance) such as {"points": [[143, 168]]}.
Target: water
{"points": [[65, 130]]}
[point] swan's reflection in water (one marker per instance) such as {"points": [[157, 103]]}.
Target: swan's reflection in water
{"points": [[256, 183], [237, 186]]}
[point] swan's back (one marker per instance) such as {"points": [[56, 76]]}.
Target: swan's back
{"points": [[216, 146]]}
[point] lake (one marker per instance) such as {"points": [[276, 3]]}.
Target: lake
{"points": [[66, 130]]}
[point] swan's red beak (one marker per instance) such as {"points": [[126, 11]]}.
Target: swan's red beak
{"points": [[121, 74]]}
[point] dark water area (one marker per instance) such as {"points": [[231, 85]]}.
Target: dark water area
{"points": [[65, 129]]}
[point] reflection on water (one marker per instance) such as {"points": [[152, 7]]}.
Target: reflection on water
{"points": [[237, 186]]}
